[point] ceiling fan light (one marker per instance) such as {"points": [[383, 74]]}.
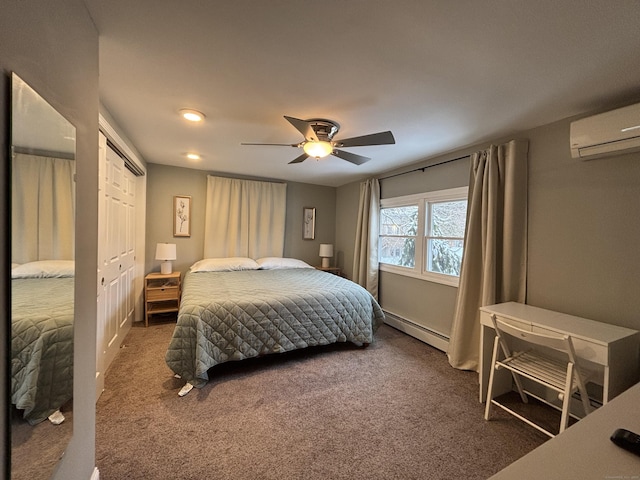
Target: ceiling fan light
{"points": [[318, 149]]}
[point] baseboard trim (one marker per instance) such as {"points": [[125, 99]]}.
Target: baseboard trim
{"points": [[424, 334], [96, 474]]}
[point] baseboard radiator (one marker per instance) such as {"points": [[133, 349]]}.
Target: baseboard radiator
{"points": [[422, 333]]}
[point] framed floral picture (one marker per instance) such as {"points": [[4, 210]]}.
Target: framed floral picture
{"points": [[308, 223], [181, 216]]}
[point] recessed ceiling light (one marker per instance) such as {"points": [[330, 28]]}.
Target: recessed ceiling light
{"points": [[193, 156], [192, 115]]}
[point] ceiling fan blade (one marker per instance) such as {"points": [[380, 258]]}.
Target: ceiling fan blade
{"points": [[304, 128], [381, 138], [301, 158], [276, 144], [350, 157]]}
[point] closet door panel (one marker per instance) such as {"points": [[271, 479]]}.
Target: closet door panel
{"points": [[116, 269]]}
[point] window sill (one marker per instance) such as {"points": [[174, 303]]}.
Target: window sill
{"points": [[427, 276]]}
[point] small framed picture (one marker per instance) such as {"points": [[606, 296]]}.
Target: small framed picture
{"points": [[308, 223], [181, 216]]}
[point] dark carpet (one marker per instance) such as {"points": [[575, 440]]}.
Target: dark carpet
{"points": [[393, 410], [37, 449]]}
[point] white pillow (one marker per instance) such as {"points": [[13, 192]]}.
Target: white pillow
{"points": [[274, 263], [14, 265], [44, 269], [224, 264]]}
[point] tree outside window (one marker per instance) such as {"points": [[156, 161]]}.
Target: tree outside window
{"points": [[445, 236], [398, 230]]}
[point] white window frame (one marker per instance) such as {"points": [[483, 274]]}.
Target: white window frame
{"points": [[422, 200]]}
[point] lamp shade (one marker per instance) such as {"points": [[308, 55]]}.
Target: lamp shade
{"points": [[166, 251], [326, 250]]}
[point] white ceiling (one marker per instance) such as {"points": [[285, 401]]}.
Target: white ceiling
{"points": [[440, 74], [37, 127]]}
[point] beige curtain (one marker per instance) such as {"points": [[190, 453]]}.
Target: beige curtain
{"points": [[365, 258], [494, 263], [43, 208], [244, 218]]}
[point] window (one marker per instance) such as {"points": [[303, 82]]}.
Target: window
{"points": [[423, 235], [398, 230], [444, 237]]}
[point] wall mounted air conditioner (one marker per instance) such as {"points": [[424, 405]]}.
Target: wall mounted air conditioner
{"points": [[609, 133]]}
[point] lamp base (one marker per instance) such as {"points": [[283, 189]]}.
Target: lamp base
{"points": [[325, 262], [165, 267]]}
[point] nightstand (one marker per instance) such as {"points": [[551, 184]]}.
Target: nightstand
{"points": [[161, 294], [334, 270]]}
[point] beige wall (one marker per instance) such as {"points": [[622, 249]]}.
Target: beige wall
{"points": [[584, 226], [347, 200], [300, 195], [53, 46], [164, 182]]}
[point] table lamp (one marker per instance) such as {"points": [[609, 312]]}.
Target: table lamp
{"points": [[165, 252], [326, 252]]}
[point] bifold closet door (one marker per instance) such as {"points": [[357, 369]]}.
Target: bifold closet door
{"points": [[116, 257]]}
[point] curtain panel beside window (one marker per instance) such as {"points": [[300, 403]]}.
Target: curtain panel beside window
{"points": [[494, 262], [244, 218], [365, 258]]}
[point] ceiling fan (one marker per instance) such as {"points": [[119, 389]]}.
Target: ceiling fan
{"points": [[318, 140]]}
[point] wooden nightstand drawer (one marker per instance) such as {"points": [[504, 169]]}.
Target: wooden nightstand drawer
{"points": [[165, 293], [161, 294]]}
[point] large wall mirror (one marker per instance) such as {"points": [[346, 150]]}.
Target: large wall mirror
{"points": [[42, 283]]}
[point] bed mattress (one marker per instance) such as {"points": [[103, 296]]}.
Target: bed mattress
{"points": [[228, 316]]}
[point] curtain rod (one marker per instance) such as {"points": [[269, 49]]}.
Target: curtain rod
{"points": [[44, 153], [422, 169]]}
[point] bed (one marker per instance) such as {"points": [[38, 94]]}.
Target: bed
{"points": [[41, 338], [278, 305]]}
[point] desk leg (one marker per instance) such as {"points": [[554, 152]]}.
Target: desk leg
{"points": [[606, 388], [486, 342], [622, 371]]}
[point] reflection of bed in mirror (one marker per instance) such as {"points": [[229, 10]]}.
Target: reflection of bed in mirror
{"points": [[42, 338], [42, 299]]}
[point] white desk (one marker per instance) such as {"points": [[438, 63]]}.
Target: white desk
{"points": [[584, 450], [609, 350]]}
